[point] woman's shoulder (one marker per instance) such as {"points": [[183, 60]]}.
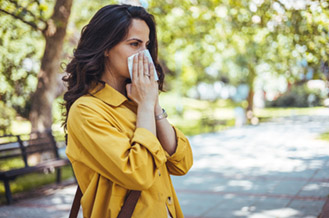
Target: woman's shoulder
{"points": [[84, 100], [86, 103]]}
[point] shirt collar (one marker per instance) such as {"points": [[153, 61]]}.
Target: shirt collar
{"points": [[108, 94]]}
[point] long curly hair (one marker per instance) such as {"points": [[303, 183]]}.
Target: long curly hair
{"points": [[107, 28]]}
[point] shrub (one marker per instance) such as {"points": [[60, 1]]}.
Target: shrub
{"points": [[298, 96]]}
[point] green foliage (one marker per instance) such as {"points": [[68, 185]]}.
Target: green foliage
{"points": [[236, 39], [22, 46], [81, 13], [298, 96], [21, 50], [33, 13], [200, 41], [6, 116]]}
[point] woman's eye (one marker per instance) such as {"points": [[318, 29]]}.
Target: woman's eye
{"points": [[134, 44]]}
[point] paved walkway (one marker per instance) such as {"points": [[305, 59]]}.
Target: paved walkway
{"points": [[277, 169]]}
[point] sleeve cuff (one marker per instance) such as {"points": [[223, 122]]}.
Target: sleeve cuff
{"points": [[146, 138], [182, 142]]}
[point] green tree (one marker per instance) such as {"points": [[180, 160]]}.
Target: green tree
{"points": [[238, 38], [52, 30], [239, 41]]}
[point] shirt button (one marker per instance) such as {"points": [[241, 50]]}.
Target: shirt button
{"points": [[169, 200], [159, 172]]}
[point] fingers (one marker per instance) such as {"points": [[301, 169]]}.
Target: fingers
{"points": [[140, 65], [141, 68], [135, 68], [151, 72], [146, 67]]}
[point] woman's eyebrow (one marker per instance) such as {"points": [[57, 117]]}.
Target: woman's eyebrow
{"points": [[136, 40]]}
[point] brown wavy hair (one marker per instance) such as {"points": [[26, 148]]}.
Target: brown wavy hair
{"points": [[107, 28]]}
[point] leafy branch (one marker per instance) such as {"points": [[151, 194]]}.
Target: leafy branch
{"points": [[17, 15]]}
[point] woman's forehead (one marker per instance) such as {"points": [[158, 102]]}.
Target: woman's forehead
{"points": [[138, 29]]}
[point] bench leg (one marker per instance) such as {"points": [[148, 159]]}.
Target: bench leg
{"points": [[58, 175], [8, 192]]}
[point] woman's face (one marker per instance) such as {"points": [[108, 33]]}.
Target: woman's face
{"points": [[136, 40]]}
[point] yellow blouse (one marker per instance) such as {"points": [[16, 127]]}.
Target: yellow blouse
{"points": [[110, 156]]}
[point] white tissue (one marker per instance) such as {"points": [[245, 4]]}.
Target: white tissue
{"points": [[148, 55]]}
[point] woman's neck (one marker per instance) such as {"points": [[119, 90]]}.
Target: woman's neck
{"points": [[118, 83]]}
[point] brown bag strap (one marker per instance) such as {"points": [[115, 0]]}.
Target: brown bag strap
{"points": [[129, 205], [76, 203], [127, 208]]}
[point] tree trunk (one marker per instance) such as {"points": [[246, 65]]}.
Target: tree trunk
{"points": [[251, 80], [49, 84]]}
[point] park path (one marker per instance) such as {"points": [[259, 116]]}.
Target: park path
{"points": [[276, 169]]}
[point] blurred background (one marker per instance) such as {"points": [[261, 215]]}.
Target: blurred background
{"points": [[227, 63]]}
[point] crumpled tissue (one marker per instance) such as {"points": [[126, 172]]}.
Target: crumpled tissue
{"points": [[148, 55]]}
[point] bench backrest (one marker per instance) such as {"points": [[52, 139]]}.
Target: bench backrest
{"points": [[38, 146], [10, 148]]}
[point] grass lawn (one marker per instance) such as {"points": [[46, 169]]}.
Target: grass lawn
{"points": [[324, 136], [199, 116], [283, 112]]}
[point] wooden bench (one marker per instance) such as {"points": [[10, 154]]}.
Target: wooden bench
{"points": [[40, 146]]}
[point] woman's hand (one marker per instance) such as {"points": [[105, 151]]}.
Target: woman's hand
{"points": [[144, 89]]}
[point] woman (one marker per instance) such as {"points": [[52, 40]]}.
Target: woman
{"points": [[118, 136]]}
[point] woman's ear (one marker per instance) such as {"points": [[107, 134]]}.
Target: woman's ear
{"points": [[106, 53]]}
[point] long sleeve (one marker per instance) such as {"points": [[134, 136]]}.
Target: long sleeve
{"points": [[130, 162], [182, 160]]}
